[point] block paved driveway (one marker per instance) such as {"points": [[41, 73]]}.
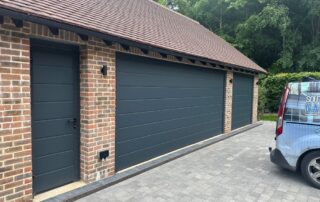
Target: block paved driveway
{"points": [[237, 169]]}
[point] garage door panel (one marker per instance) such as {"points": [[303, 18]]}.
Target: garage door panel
{"points": [[57, 144], [133, 119], [242, 100], [54, 75], [155, 139], [59, 59], [157, 67], [52, 110], [241, 122], [131, 106], [152, 80], [170, 145], [58, 92], [162, 106], [53, 162], [142, 155], [128, 93], [138, 131], [61, 176], [242, 108], [51, 128], [242, 96], [241, 116]]}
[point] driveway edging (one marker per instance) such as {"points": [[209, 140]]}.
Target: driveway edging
{"points": [[109, 181]]}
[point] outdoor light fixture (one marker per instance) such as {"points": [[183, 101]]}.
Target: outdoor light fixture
{"points": [[104, 70], [230, 80]]}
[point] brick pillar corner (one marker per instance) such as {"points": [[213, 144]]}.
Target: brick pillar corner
{"points": [[97, 108], [228, 102], [15, 113], [255, 99]]}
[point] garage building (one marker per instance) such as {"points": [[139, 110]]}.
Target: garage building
{"points": [[127, 80]]}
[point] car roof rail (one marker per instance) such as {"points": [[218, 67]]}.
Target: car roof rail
{"points": [[308, 78]]}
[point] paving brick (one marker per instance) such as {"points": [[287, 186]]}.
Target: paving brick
{"points": [[208, 175]]}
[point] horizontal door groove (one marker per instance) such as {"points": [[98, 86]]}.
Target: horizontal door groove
{"points": [[193, 97], [137, 125], [55, 153], [163, 110], [184, 137], [154, 134], [54, 171]]}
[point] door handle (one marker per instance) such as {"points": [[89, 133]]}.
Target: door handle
{"points": [[73, 122]]}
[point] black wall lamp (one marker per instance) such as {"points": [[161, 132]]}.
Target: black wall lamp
{"points": [[231, 80], [104, 70]]}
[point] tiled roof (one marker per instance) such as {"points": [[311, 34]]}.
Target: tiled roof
{"points": [[141, 21]]}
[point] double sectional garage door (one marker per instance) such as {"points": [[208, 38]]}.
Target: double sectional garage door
{"points": [[163, 106]]}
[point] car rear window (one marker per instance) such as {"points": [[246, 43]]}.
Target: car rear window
{"points": [[303, 103]]}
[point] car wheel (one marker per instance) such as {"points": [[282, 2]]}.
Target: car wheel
{"points": [[310, 168]]}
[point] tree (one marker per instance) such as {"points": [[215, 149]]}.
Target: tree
{"points": [[267, 36], [280, 35]]}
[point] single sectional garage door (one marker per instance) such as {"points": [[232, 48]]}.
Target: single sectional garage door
{"points": [[163, 106], [242, 100]]}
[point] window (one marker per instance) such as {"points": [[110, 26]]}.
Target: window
{"points": [[303, 103]]}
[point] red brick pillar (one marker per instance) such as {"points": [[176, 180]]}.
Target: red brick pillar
{"points": [[97, 94], [228, 102], [255, 99], [15, 113]]}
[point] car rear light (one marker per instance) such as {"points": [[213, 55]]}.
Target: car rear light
{"points": [[282, 107]]}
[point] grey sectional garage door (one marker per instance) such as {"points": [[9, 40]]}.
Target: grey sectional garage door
{"points": [[55, 115], [164, 106], [242, 100]]}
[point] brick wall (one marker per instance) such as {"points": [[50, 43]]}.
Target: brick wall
{"points": [[228, 102], [97, 109], [255, 99], [97, 105], [15, 114]]}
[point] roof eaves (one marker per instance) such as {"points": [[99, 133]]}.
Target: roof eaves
{"points": [[18, 14]]}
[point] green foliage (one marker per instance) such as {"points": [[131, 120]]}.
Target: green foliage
{"points": [[262, 100], [280, 35], [309, 57], [254, 36], [268, 117], [273, 86], [162, 2]]}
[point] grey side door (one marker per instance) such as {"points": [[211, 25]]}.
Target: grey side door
{"points": [[242, 100], [55, 114], [163, 106]]}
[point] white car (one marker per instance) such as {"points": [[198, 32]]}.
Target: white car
{"points": [[298, 131]]}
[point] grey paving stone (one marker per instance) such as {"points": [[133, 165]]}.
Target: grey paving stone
{"points": [[236, 169]]}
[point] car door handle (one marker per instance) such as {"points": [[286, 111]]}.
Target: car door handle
{"points": [[73, 122]]}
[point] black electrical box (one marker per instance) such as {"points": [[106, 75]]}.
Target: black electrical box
{"points": [[103, 154]]}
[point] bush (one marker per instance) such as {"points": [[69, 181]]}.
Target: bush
{"points": [[262, 100], [272, 86]]}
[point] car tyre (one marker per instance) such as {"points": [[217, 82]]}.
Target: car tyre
{"points": [[310, 168]]}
